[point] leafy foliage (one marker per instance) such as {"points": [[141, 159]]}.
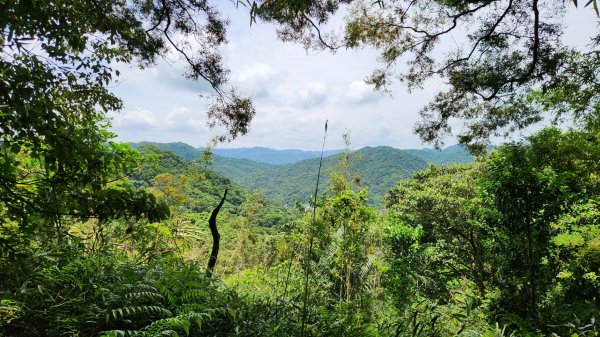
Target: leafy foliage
{"points": [[508, 227], [532, 186], [73, 81], [439, 221]]}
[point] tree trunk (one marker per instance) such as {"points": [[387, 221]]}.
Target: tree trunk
{"points": [[212, 224]]}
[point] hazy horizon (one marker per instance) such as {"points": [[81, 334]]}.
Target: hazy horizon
{"points": [[291, 149]]}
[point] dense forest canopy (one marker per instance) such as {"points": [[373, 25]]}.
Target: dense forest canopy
{"points": [[100, 239]]}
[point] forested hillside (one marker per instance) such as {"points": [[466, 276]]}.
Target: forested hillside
{"points": [[181, 149], [448, 155], [195, 188], [272, 156], [378, 169]]}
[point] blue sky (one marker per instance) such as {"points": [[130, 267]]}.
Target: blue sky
{"points": [[294, 92]]}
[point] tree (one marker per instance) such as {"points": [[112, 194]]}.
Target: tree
{"points": [[440, 229], [44, 196], [57, 56], [56, 64], [55, 67], [575, 257], [520, 226], [533, 185], [349, 221], [507, 61], [170, 189]]}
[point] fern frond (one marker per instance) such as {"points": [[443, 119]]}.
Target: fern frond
{"points": [[122, 333], [170, 326], [194, 294], [139, 310], [190, 307], [149, 295], [146, 287]]}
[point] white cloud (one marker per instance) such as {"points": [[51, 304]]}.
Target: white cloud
{"points": [[179, 124], [293, 128], [182, 120], [168, 75], [136, 118], [260, 72], [257, 80], [360, 92], [313, 94]]}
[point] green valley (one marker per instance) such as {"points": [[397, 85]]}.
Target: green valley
{"points": [[377, 168]]}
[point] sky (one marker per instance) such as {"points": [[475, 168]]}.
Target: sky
{"points": [[294, 92]]}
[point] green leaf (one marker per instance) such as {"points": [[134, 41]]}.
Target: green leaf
{"points": [[186, 327]]}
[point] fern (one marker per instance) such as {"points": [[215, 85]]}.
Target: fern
{"points": [[121, 333], [149, 295], [171, 326], [140, 310], [194, 295], [174, 302]]}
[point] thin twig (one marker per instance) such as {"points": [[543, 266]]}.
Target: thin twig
{"points": [[312, 237]]}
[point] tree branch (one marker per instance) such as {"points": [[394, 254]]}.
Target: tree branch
{"points": [[319, 33], [212, 224]]}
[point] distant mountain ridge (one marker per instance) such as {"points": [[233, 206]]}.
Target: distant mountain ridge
{"points": [[257, 154], [379, 169], [451, 154]]}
